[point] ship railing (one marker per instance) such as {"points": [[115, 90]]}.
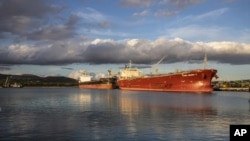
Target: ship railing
{"points": [[170, 73]]}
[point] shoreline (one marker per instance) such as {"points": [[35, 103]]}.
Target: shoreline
{"points": [[238, 89], [42, 87]]}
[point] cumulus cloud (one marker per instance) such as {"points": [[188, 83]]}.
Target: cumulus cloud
{"points": [[140, 51]]}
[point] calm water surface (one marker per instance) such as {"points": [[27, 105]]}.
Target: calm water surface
{"points": [[83, 114]]}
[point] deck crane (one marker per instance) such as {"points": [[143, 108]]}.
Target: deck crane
{"points": [[155, 66]]}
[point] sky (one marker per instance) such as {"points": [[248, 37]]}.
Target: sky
{"points": [[61, 37]]}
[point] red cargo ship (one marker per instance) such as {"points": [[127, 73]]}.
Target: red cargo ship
{"points": [[198, 80]]}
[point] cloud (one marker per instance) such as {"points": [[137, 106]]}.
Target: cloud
{"points": [[140, 51], [180, 4], [165, 8], [20, 17], [205, 16], [196, 32], [93, 18], [165, 13], [55, 31], [142, 13], [212, 14], [207, 33], [44, 20], [137, 3], [36, 9], [169, 8], [230, 52], [91, 15]]}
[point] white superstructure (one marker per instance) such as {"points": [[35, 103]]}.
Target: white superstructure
{"points": [[129, 72], [84, 77]]}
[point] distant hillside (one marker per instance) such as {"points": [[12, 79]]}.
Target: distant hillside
{"points": [[33, 80]]}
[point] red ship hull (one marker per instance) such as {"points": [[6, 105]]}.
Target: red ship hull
{"points": [[198, 81]]}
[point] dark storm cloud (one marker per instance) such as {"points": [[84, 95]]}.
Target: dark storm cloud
{"points": [[42, 20], [19, 16], [38, 20], [29, 8], [55, 32], [104, 51]]}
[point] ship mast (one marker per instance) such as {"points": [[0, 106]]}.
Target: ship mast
{"points": [[130, 64], [205, 61]]}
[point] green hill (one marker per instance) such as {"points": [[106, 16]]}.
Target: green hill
{"points": [[29, 80]]}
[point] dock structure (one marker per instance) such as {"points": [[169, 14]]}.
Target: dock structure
{"points": [[237, 85], [245, 89]]}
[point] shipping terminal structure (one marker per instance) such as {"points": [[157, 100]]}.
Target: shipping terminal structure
{"points": [[198, 80]]}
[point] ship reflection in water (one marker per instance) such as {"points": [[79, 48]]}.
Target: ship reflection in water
{"points": [[165, 116], [90, 114]]}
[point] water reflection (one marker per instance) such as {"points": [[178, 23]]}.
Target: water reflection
{"points": [[149, 115], [249, 104], [155, 103], [162, 114], [82, 114]]}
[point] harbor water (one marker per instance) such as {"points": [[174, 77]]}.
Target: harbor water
{"points": [[105, 115]]}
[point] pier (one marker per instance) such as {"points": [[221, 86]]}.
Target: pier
{"points": [[237, 85]]}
